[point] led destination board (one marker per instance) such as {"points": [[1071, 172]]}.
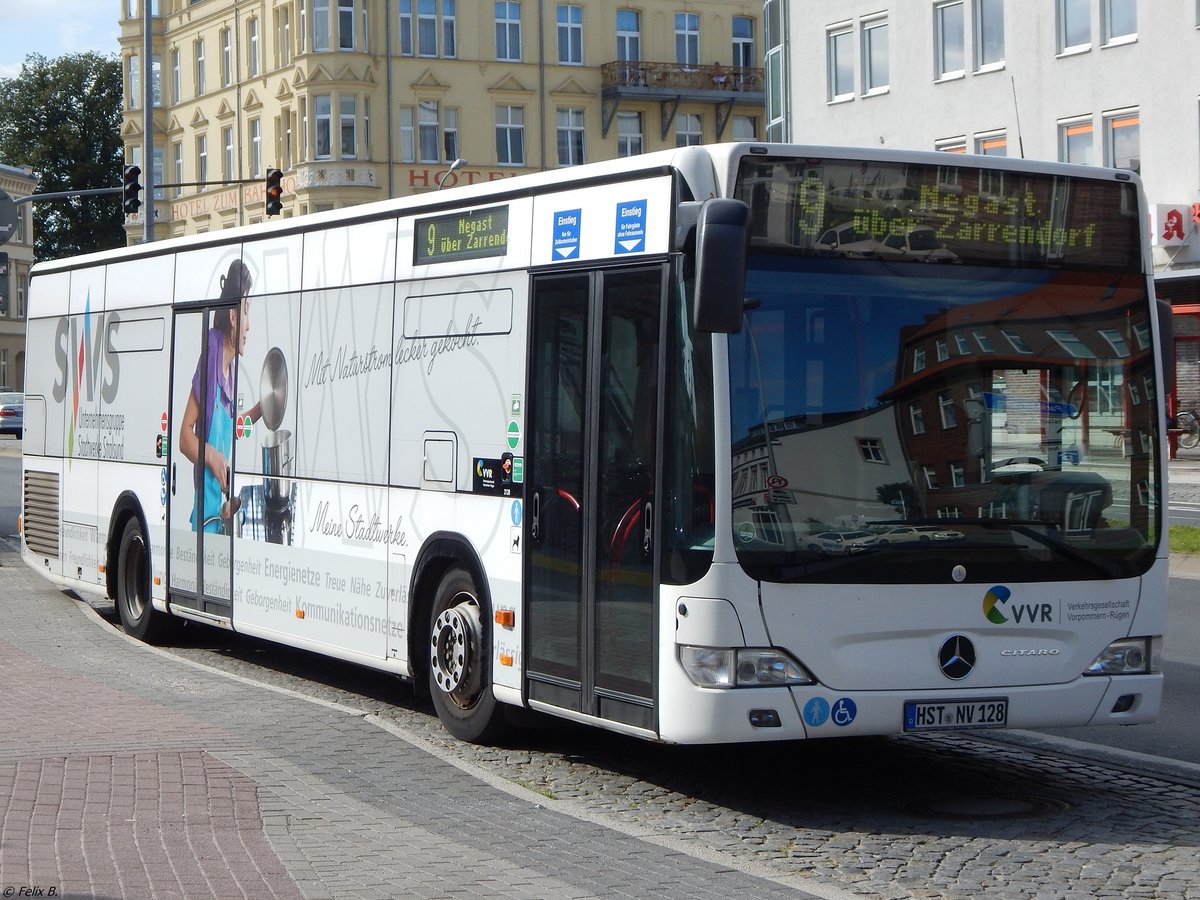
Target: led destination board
{"points": [[462, 235]]}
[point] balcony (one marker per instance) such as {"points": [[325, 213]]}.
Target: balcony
{"points": [[670, 84]]}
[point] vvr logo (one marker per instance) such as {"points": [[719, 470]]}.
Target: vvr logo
{"points": [[995, 605]]}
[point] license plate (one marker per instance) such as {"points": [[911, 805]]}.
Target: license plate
{"points": [[940, 715]]}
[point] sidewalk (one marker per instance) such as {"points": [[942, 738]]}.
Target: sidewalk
{"points": [[127, 772]]}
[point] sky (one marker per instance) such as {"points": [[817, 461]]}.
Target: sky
{"points": [[55, 27]]}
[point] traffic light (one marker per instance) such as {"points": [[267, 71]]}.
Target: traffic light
{"points": [[131, 188], [274, 192]]}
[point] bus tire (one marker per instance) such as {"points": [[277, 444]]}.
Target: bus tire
{"points": [[132, 595], [460, 664]]}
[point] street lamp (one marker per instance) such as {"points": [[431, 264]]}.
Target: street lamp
{"points": [[454, 167]]}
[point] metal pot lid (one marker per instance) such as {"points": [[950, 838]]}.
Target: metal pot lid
{"points": [[273, 388]]}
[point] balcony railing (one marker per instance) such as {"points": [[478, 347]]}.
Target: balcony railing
{"points": [[669, 84], [651, 78]]}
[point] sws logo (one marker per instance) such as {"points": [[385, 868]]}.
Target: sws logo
{"points": [[79, 350], [995, 603]]}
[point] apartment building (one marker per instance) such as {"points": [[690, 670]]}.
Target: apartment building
{"points": [[16, 257], [1099, 82], [361, 100]]}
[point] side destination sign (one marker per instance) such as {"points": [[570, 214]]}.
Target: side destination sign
{"points": [[462, 235]]}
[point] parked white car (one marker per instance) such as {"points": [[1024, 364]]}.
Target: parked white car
{"points": [[905, 533]]}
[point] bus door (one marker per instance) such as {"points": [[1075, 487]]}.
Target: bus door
{"points": [[591, 476], [201, 513]]}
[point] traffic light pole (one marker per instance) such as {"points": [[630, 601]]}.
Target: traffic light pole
{"points": [[148, 116]]}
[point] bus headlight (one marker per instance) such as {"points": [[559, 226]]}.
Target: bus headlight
{"points": [[730, 667], [1128, 656]]}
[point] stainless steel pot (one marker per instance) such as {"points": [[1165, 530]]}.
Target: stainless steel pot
{"points": [[273, 389], [277, 462]]}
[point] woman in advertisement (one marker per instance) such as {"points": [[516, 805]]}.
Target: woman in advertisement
{"points": [[226, 342]]}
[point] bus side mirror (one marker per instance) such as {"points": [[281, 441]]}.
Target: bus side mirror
{"points": [[722, 236]]}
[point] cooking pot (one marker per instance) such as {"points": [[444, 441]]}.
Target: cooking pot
{"points": [[273, 389], [277, 465]]}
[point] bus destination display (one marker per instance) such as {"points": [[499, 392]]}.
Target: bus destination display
{"points": [[462, 235]]}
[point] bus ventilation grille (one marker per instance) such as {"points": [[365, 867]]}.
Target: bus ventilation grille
{"points": [[41, 513]]}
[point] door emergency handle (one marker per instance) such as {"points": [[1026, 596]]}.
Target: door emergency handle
{"points": [[647, 527], [172, 479], [535, 521]]}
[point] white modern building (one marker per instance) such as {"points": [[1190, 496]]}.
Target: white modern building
{"points": [[1102, 82]]}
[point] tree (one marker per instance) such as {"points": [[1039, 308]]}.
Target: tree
{"points": [[62, 117]]}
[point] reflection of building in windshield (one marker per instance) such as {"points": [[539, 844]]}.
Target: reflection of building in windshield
{"points": [[839, 488], [1043, 380]]}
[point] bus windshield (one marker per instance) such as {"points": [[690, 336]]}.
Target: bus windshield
{"points": [[983, 421]]}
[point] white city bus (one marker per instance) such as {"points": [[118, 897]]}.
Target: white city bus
{"points": [[732, 443]]}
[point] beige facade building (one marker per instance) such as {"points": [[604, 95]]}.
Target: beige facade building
{"points": [[16, 258], [361, 100]]}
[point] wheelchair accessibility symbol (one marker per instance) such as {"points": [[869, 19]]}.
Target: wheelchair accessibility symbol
{"points": [[843, 712]]}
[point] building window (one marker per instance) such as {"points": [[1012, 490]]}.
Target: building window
{"points": [[629, 133], [687, 39], [1071, 343], [946, 410], [323, 132], [1018, 342], [989, 34], [450, 134], [156, 96], [743, 42], [964, 346], [1116, 340], [176, 80], [570, 137], [1122, 140], [510, 135], [320, 25], [688, 130], [228, 170], [875, 76], [629, 35], [405, 25], [1074, 25], [871, 450], [256, 166], [200, 67], [252, 40], [1120, 21], [508, 31], [202, 161], [992, 144], [345, 24], [984, 342], [918, 359], [177, 152], [283, 37], [745, 128], [777, 124], [226, 58], [958, 475], [951, 145], [1075, 142], [570, 35], [839, 45], [931, 479], [427, 131], [449, 30], [348, 126], [948, 33], [408, 144], [942, 350], [134, 80], [916, 415]]}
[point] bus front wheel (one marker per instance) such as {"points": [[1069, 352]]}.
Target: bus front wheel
{"points": [[138, 615], [460, 665]]}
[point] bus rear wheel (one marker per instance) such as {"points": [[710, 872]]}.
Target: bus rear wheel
{"points": [[134, 605], [460, 665]]}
